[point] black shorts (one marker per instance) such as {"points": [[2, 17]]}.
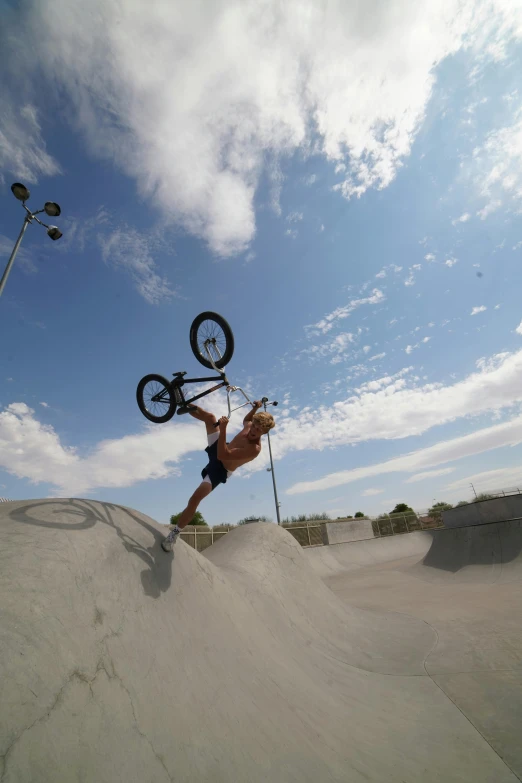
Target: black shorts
{"points": [[215, 470]]}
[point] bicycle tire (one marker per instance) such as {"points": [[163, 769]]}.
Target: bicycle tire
{"points": [[170, 401], [225, 346]]}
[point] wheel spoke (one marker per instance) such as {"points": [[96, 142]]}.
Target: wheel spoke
{"points": [[153, 406], [210, 330]]}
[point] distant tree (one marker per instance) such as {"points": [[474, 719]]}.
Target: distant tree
{"points": [[197, 519], [359, 515], [401, 508], [483, 496], [305, 518], [435, 512], [253, 518], [438, 507], [462, 503]]}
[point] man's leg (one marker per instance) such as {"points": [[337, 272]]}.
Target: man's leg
{"points": [[202, 415], [204, 489]]}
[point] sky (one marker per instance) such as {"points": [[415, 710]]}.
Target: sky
{"points": [[342, 181]]}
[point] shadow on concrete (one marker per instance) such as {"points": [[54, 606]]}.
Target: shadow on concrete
{"points": [[479, 545], [157, 576]]}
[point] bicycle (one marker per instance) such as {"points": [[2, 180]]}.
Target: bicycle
{"points": [[211, 349]]}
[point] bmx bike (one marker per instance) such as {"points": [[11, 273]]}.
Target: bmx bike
{"points": [[212, 343]]}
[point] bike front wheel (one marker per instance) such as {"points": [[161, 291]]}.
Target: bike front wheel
{"points": [[155, 398], [211, 334]]}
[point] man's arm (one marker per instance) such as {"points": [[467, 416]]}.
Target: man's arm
{"points": [[254, 410], [222, 449]]}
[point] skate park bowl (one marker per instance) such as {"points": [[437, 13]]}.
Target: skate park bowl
{"points": [[395, 659]]}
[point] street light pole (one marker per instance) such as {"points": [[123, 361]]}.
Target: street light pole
{"points": [[271, 469], [3, 281], [52, 209]]}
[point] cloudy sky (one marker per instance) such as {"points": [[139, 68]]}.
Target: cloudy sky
{"points": [[341, 180]]}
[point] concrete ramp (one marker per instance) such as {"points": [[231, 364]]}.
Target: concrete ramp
{"points": [[466, 584], [121, 662]]}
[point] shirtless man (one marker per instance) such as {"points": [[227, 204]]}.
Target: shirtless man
{"points": [[224, 458]]}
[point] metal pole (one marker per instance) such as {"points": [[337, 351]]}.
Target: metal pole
{"points": [[273, 475], [13, 254]]}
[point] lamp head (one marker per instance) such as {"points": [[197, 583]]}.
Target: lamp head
{"points": [[54, 232], [20, 191], [52, 209]]}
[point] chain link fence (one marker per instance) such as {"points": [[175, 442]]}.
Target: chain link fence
{"points": [[315, 533]]}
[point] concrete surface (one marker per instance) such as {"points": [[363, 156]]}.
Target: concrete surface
{"points": [[351, 530], [466, 585], [484, 512], [121, 662]]}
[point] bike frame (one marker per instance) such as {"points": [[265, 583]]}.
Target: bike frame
{"points": [[224, 383]]}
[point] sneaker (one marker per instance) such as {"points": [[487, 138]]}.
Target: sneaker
{"points": [[186, 409], [171, 539]]}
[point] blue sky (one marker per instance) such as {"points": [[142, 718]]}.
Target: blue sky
{"points": [[343, 185]]}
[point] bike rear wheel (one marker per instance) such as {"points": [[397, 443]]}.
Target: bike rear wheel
{"points": [[212, 329], [156, 398]]}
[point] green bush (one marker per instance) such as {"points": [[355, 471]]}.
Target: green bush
{"points": [[197, 519], [253, 518]]}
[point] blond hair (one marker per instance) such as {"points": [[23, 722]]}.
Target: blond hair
{"points": [[264, 421]]}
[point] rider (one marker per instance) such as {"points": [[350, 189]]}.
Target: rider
{"points": [[224, 458]]}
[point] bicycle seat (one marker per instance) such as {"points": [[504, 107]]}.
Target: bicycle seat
{"points": [[179, 374]]}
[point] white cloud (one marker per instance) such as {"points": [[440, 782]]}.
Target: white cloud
{"points": [[294, 217], [429, 257], [462, 219], [498, 164], [336, 347], [518, 330], [381, 274], [399, 408], [480, 309], [368, 493], [22, 147], [409, 349], [325, 324], [507, 434], [487, 480], [33, 451], [428, 474], [450, 262], [426, 339], [377, 356], [493, 205], [133, 251], [392, 407], [228, 87]]}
